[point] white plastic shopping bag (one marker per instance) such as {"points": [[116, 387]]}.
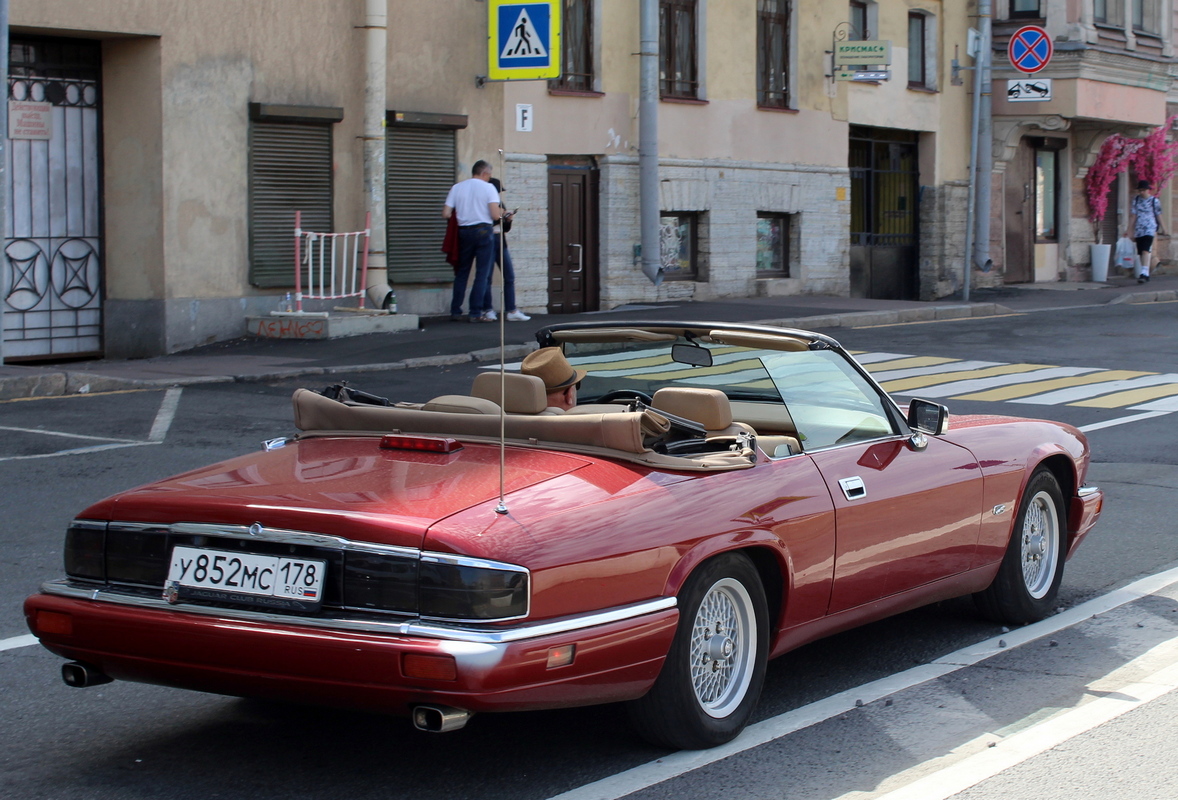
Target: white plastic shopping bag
{"points": [[1126, 254]]}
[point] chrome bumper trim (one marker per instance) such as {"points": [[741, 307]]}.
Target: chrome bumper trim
{"points": [[423, 630], [1087, 491]]}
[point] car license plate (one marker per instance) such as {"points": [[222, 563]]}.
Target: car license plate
{"points": [[278, 582]]}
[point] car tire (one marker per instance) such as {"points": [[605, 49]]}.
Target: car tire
{"points": [[1025, 588], [715, 668]]}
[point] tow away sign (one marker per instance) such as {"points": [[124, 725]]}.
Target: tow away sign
{"points": [[523, 42]]}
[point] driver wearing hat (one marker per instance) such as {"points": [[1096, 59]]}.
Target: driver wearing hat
{"points": [[560, 379]]}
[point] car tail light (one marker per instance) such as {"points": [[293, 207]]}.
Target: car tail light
{"points": [[453, 587], [430, 667], [54, 622], [136, 556], [425, 444], [84, 544], [380, 582]]}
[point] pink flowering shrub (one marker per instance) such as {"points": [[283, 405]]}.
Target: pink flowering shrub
{"points": [[1154, 160], [1113, 159]]}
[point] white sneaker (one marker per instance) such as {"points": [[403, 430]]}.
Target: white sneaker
{"points": [[517, 316], [489, 315]]}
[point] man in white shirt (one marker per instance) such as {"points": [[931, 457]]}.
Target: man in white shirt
{"points": [[476, 205]]}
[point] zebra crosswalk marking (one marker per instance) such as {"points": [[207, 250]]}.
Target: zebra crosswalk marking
{"points": [[1046, 382], [1077, 393], [951, 387], [1133, 397], [904, 362], [910, 384]]}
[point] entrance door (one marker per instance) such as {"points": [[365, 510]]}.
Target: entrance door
{"points": [[53, 244], [1020, 217], [884, 214], [572, 240]]}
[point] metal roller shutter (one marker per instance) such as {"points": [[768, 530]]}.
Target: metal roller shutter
{"points": [[289, 170], [421, 166]]}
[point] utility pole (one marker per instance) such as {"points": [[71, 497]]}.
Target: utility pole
{"points": [[648, 140], [3, 170]]}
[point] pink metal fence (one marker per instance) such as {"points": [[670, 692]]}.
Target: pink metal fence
{"points": [[336, 264]]}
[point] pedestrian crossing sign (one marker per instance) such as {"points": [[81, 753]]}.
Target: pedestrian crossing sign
{"points": [[523, 41]]}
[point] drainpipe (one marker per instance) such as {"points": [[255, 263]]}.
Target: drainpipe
{"points": [[985, 142], [375, 89], [980, 164], [3, 161], [648, 140]]}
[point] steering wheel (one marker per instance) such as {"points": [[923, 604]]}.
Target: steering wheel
{"points": [[625, 394]]}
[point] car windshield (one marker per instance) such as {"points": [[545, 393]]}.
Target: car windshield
{"points": [[827, 399]]}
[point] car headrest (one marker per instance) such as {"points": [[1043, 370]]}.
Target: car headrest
{"points": [[524, 394], [708, 407]]}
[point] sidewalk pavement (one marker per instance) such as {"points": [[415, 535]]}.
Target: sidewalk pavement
{"points": [[441, 342]]}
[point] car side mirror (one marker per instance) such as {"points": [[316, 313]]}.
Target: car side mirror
{"points": [[928, 417]]}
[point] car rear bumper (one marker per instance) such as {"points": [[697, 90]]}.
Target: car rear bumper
{"points": [[256, 655], [1083, 514]]}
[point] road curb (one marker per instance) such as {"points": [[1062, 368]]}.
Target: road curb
{"points": [[57, 383]]}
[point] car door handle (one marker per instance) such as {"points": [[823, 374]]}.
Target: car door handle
{"points": [[853, 487]]}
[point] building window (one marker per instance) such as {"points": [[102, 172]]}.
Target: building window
{"points": [[678, 245], [916, 51], [1145, 16], [859, 21], [1046, 194], [576, 43], [678, 72], [773, 53], [1025, 9], [773, 245], [290, 158]]}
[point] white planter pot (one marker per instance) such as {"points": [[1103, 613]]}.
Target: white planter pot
{"points": [[1101, 254]]}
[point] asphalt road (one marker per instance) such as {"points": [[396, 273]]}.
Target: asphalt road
{"points": [[132, 741]]}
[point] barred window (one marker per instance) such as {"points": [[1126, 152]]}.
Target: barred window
{"points": [[678, 72], [773, 53], [576, 43]]}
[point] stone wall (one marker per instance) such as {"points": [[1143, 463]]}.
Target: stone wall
{"points": [[727, 194]]}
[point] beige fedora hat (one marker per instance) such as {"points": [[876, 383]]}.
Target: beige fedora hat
{"points": [[549, 365]]}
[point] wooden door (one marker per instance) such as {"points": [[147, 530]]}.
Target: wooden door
{"points": [[1020, 217], [572, 246]]}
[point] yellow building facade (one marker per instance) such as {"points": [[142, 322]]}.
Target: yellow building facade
{"points": [[187, 134]]}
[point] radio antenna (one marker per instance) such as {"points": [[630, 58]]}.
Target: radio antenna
{"points": [[502, 507]]}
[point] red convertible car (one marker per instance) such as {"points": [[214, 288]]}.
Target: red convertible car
{"points": [[723, 494]]}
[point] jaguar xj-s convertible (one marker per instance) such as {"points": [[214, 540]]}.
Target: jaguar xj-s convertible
{"points": [[721, 494]]}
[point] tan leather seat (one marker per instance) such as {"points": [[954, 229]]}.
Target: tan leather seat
{"points": [[708, 407], [523, 394]]}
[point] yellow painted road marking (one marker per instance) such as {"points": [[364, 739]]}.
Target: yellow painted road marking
{"points": [[921, 381], [1130, 397], [1040, 387], [906, 363]]}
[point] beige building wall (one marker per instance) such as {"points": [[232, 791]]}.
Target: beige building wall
{"points": [[178, 78]]}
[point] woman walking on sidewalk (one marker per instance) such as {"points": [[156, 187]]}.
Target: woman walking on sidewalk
{"points": [[1145, 217]]}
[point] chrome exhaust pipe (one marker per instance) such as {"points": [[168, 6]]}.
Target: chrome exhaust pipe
{"points": [[440, 719], [81, 675]]}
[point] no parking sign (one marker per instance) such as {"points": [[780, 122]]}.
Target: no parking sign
{"points": [[1030, 49]]}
